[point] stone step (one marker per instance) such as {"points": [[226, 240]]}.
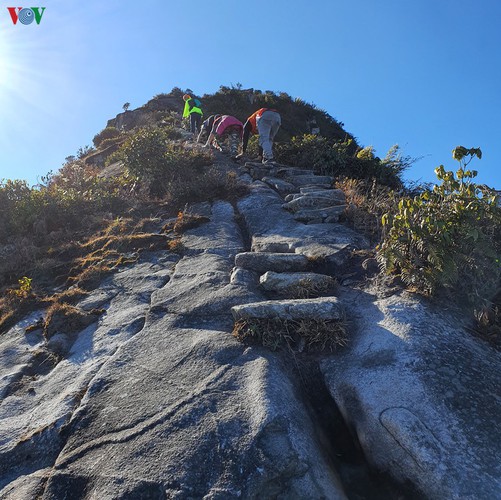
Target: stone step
{"points": [[290, 172], [311, 189], [327, 214], [298, 285], [244, 277], [315, 201], [323, 187], [250, 164], [283, 187], [326, 193], [267, 261], [308, 180], [260, 171], [319, 309]]}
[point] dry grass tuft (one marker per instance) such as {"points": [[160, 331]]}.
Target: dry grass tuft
{"points": [[183, 222], [176, 246], [67, 319], [307, 289], [69, 296], [367, 202], [301, 335]]}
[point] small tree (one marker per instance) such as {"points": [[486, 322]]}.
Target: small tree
{"points": [[126, 106]]}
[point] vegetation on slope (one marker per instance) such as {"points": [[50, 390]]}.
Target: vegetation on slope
{"points": [[105, 205]]}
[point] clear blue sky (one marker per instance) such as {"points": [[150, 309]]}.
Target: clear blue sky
{"points": [[424, 74]]}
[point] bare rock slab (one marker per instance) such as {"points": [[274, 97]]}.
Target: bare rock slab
{"points": [[188, 412], [421, 393], [268, 261]]}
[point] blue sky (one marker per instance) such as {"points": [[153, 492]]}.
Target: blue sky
{"points": [[425, 75]]}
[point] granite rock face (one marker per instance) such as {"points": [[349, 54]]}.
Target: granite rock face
{"points": [[156, 398], [422, 396]]}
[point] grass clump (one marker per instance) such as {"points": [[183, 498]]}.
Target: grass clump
{"points": [[184, 221], [295, 335], [307, 289], [67, 319]]}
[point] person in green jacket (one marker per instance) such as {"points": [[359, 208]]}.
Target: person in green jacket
{"points": [[193, 110]]}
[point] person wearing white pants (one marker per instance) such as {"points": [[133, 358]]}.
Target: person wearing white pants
{"points": [[267, 126], [265, 122]]}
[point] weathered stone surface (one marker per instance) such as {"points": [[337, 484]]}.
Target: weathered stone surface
{"points": [[421, 393], [313, 201], [220, 235], [279, 262], [323, 308], [244, 277], [189, 412], [180, 410], [314, 189], [283, 187], [320, 213], [39, 393], [308, 180], [335, 194], [157, 400], [290, 171], [199, 285], [285, 283], [277, 231], [258, 173]]}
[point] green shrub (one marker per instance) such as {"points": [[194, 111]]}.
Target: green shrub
{"points": [[447, 239], [149, 156], [110, 142], [64, 202], [330, 157], [172, 132], [107, 133]]}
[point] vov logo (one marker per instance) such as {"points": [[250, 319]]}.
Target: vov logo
{"points": [[26, 15]]}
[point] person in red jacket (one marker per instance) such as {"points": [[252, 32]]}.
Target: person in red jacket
{"points": [[265, 122]]}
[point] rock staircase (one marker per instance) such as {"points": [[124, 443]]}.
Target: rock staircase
{"points": [[287, 272]]}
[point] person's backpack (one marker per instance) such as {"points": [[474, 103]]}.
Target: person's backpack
{"points": [[195, 103]]}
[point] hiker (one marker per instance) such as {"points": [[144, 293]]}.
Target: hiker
{"points": [[206, 127], [193, 110], [225, 127], [265, 122]]}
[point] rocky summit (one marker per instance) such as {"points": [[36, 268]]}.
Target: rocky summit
{"points": [[156, 398]]}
